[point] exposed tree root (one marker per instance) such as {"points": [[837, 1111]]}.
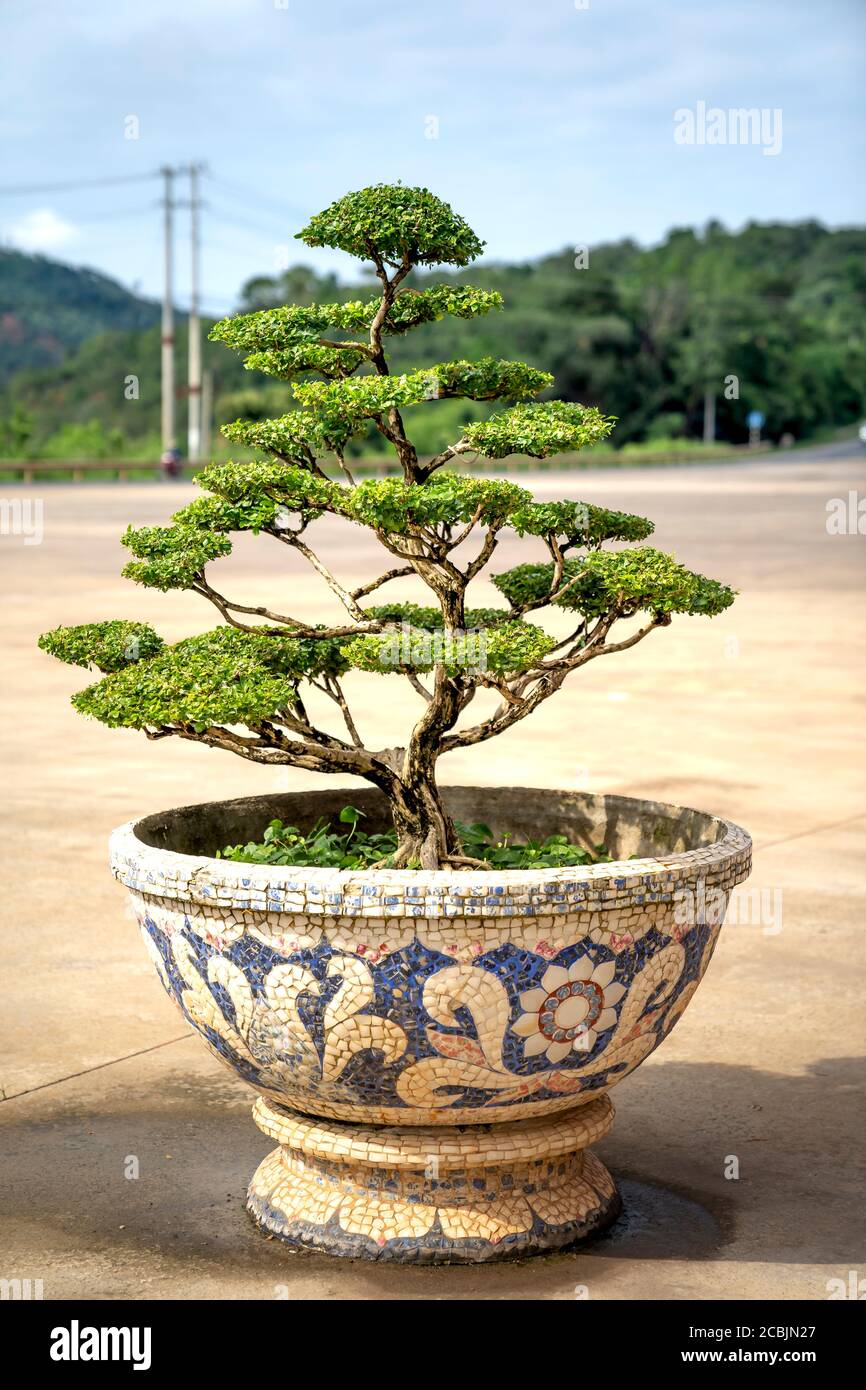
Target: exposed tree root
{"points": [[427, 853]]}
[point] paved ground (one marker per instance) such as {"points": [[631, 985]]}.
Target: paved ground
{"points": [[757, 715]]}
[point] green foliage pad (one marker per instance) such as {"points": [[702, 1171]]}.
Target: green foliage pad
{"points": [[394, 223], [110, 646], [222, 677], [628, 580]]}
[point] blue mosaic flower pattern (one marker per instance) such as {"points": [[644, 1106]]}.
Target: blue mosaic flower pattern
{"points": [[450, 999], [419, 1031]]}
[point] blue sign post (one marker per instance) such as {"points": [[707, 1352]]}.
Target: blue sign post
{"points": [[755, 420]]}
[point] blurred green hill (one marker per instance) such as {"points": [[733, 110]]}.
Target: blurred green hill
{"points": [[48, 309], [768, 318]]}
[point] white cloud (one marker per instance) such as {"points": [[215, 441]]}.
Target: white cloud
{"points": [[42, 230]]}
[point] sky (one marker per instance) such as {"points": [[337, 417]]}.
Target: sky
{"points": [[546, 123]]}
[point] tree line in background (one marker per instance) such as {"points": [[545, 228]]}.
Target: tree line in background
{"points": [[768, 318]]}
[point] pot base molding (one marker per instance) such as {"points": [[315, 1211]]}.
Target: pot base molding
{"points": [[433, 1196]]}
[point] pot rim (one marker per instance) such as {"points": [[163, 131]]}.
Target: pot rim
{"points": [[168, 873]]}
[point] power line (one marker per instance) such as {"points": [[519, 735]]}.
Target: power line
{"points": [[247, 224], [121, 212], [25, 189], [213, 308], [213, 299], [224, 248], [252, 195]]}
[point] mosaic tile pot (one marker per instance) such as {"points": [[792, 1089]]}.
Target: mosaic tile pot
{"points": [[433, 1052]]}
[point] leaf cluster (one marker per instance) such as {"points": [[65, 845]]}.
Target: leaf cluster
{"points": [[301, 325], [220, 677], [417, 615], [297, 436], [623, 580], [109, 646], [393, 223], [507, 648], [343, 406], [171, 557], [539, 429], [327, 845], [554, 852]]}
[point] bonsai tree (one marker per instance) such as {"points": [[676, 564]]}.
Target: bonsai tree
{"points": [[243, 686]]}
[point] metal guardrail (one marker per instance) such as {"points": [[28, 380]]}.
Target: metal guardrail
{"points": [[28, 470]]}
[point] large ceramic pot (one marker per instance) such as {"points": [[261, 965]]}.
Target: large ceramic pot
{"points": [[433, 1052]]}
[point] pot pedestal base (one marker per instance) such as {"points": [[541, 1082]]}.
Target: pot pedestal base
{"points": [[433, 1195]]}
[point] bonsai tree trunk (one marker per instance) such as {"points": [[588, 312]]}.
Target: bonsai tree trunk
{"points": [[425, 832]]}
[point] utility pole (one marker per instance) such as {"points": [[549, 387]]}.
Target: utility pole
{"points": [[206, 411], [168, 436], [194, 383]]}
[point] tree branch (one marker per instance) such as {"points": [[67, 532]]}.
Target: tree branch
{"points": [[348, 602], [268, 745], [294, 626], [491, 540], [394, 431], [453, 451], [551, 596], [416, 684], [461, 536], [549, 677], [344, 467], [366, 589], [331, 687]]}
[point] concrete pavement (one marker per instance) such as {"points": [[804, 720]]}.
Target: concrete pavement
{"points": [[756, 715]]}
